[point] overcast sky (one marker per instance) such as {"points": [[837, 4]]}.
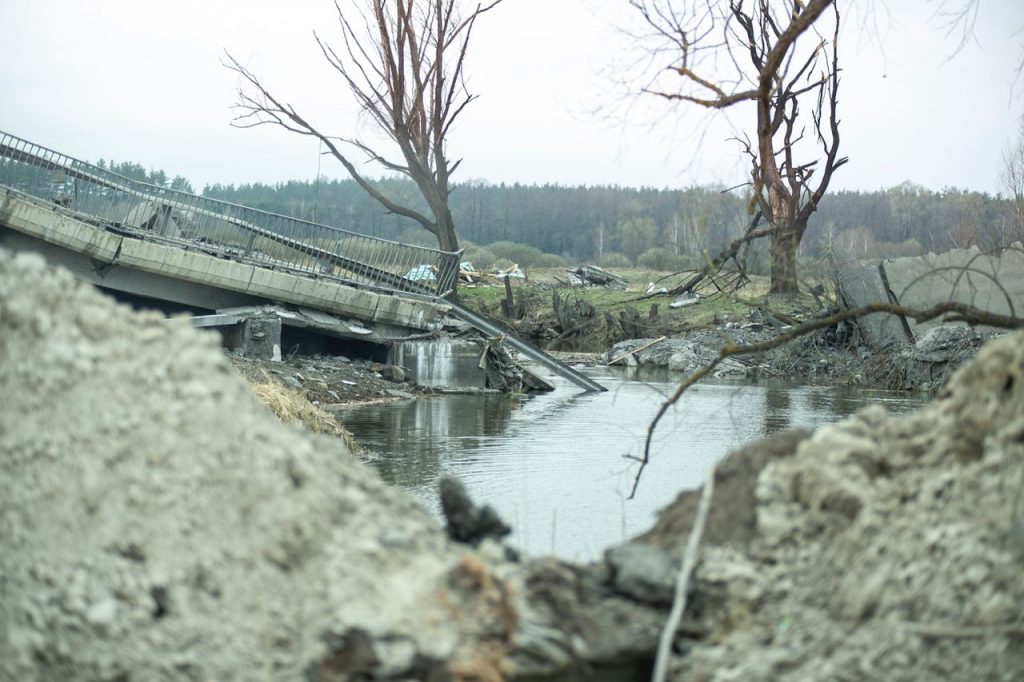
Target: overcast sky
{"points": [[142, 81]]}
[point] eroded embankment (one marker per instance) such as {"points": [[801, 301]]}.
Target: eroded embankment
{"points": [[877, 548]]}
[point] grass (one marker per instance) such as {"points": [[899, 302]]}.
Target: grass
{"points": [[291, 407], [713, 309]]}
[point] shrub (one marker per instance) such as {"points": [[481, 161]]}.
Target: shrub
{"points": [[550, 260], [481, 257], [660, 258], [613, 259], [525, 255]]}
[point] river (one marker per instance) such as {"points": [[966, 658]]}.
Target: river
{"points": [[554, 465]]}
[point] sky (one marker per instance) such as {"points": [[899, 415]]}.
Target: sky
{"points": [[143, 81]]}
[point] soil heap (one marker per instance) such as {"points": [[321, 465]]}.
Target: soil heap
{"points": [[877, 548], [157, 523]]}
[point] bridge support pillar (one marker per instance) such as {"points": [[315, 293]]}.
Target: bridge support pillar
{"points": [[261, 337], [440, 363]]}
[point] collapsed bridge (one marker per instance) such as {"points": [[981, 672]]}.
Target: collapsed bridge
{"points": [[205, 254]]}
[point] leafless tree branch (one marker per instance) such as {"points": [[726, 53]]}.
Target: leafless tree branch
{"points": [[403, 62]]}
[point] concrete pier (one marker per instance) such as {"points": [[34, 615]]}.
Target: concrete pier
{"points": [[440, 363]]}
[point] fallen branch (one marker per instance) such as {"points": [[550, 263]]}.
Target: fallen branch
{"points": [[730, 252], [683, 580], [637, 350], [957, 312]]}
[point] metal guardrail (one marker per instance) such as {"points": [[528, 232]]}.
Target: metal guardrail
{"points": [[220, 228]]}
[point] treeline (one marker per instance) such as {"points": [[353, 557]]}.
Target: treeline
{"points": [[20, 174], [136, 171], [663, 228], [613, 225]]}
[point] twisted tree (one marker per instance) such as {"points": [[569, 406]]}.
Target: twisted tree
{"points": [[772, 55], [403, 61]]}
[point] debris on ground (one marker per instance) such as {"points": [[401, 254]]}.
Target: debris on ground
{"points": [[327, 380], [504, 372], [928, 364], [836, 354], [468, 274], [511, 272], [591, 275], [635, 349], [422, 273], [685, 300]]}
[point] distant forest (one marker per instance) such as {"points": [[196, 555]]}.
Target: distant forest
{"points": [[622, 226], [663, 228]]}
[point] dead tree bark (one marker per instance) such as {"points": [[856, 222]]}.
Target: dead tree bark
{"points": [[403, 62]]}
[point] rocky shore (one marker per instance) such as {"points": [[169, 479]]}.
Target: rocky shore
{"points": [[818, 357]]}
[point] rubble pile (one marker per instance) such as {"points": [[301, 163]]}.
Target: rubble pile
{"points": [[936, 354], [331, 379], [827, 354]]}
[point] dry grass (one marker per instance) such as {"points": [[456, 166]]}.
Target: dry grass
{"points": [[292, 406]]}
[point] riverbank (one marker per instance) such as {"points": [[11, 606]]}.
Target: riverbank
{"points": [[816, 358], [330, 380], [631, 324]]}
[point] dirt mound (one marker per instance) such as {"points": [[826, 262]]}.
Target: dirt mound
{"points": [[885, 548], [157, 523]]}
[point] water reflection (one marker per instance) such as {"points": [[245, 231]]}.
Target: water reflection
{"points": [[554, 464], [427, 431]]}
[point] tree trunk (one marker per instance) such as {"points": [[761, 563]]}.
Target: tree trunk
{"points": [[783, 253], [447, 240]]}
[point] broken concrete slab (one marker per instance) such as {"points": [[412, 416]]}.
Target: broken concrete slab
{"points": [[993, 282]]}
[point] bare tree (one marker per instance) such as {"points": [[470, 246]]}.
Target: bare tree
{"points": [[403, 62], [771, 54], [1013, 179]]}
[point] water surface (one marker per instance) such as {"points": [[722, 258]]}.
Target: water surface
{"points": [[554, 465]]}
